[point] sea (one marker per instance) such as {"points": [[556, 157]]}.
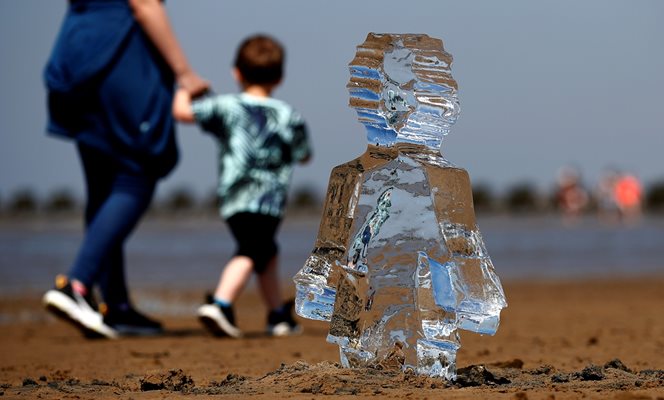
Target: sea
{"points": [[189, 252]]}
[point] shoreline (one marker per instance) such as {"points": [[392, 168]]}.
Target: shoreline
{"points": [[190, 251]]}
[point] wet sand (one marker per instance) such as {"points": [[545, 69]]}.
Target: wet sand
{"points": [[561, 340]]}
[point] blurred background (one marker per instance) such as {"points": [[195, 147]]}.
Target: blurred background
{"points": [[561, 132]]}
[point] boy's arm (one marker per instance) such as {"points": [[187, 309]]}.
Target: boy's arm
{"points": [[301, 149], [205, 111], [182, 110]]}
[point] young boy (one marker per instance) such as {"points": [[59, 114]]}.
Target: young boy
{"points": [[260, 138]]}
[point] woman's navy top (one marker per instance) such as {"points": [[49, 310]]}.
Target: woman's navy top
{"points": [[109, 88]]}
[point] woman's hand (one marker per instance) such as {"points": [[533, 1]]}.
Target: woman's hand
{"points": [[192, 83]]}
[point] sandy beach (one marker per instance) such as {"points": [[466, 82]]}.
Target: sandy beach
{"points": [[557, 340]]}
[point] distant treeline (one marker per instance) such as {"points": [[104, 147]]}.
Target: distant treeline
{"points": [[522, 198], [182, 200]]}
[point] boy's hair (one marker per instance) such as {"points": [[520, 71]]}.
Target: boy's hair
{"points": [[260, 60]]}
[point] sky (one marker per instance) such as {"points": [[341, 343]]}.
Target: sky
{"points": [[542, 84]]}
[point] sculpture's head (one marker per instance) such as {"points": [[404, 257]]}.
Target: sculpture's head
{"points": [[402, 88]]}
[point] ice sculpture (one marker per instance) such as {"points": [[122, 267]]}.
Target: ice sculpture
{"points": [[399, 265]]}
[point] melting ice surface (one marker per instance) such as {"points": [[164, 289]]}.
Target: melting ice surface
{"points": [[399, 265]]}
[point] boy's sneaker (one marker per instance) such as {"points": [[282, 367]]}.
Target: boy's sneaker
{"points": [[79, 310], [219, 320], [129, 322], [281, 322]]}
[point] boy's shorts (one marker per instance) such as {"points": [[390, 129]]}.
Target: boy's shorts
{"points": [[255, 237]]}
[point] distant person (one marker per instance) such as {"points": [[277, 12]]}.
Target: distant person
{"points": [[628, 196], [571, 197], [110, 81], [259, 140], [607, 205]]}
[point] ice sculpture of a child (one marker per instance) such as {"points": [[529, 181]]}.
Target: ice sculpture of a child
{"points": [[408, 266]]}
